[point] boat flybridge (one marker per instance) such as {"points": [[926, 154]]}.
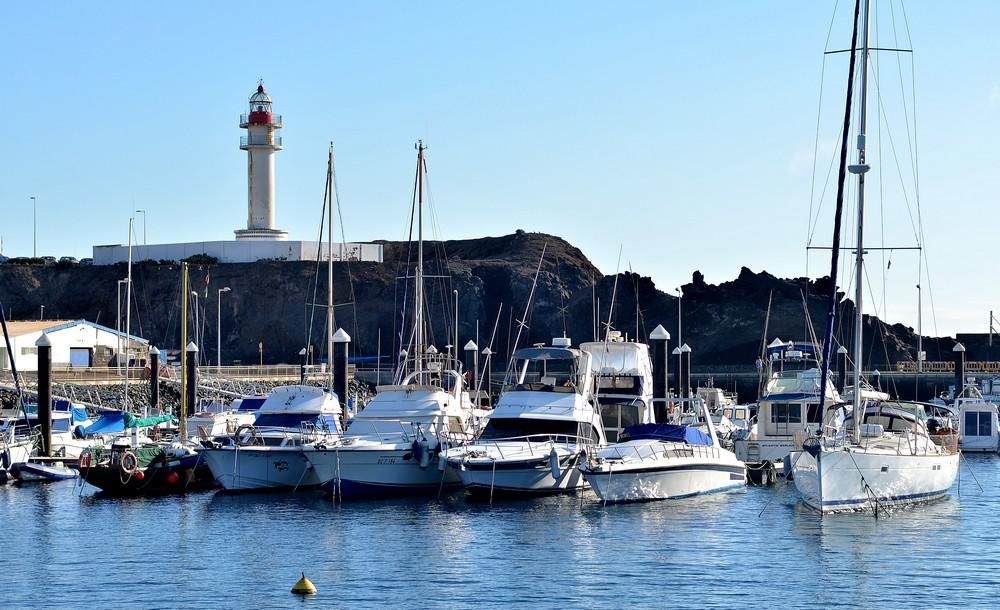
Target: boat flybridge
{"points": [[267, 454], [660, 461], [542, 422], [623, 377], [788, 410]]}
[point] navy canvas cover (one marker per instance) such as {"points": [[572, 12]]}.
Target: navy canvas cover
{"points": [[666, 432]]}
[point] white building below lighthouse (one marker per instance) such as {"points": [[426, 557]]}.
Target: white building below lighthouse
{"points": [[261, 239]]}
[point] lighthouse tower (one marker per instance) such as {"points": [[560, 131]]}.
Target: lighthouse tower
{"points": [[261, 142]]}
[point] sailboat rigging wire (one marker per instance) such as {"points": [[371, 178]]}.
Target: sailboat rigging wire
{"points": [[522, 323], [842, 177], [614, 292], [819, 114], [356, 343], [319, 256]]}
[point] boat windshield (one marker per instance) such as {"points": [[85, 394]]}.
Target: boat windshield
{"points": [[549, 374], [294, 420], [521, 427], [794, 382]]}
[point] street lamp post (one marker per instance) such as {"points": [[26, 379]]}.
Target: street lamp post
{"points": [[680, 336], [34, 227], [41, 316], [218, 326], [143, 212]]}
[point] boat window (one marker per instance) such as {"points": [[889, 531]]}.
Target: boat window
{"points": [[282, 420], [455, 424], [815, 414], [617, 417], [549, 374], [786, 413], [587, 431], [978, 423], [520, 427]]}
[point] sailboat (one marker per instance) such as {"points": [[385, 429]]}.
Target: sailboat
{"points": [[269, 453], [880, 454], [393, 445]]}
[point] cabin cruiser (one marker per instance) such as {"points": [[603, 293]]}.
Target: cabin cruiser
{"points": [[543, 420], [268, 454], [393, 444], [664, 461], [788, 410], [66, 418]]}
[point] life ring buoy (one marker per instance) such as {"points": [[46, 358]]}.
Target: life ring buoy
{"points": [[129, 462], [245, 435]]}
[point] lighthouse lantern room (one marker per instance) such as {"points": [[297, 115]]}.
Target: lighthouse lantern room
{"points": [[261, 143]]}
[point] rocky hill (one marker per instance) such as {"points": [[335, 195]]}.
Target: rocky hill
{"points": [[272, 302]]}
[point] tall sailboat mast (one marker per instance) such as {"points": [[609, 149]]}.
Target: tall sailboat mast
{"points": [[329, 271], [860, 169], [418, 316]]}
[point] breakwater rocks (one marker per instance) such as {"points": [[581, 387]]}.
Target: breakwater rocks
{"points": [[110, 395], [268, 311]]}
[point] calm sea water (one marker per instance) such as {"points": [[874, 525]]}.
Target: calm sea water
{"points": [[64, 547]]}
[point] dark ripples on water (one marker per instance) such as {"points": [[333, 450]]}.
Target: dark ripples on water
{"points": [[63, 549]]}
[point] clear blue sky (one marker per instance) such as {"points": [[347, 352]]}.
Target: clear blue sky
{"points": [[683, 130]]}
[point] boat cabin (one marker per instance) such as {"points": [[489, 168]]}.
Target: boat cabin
{"points": [[623, 379]]}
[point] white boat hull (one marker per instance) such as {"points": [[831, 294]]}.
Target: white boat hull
{"points": [[256, 468], [664, 482], [17, 452], [379, 470], [521, 474], [844, 481]]}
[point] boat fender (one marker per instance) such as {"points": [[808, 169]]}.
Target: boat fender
{"points": [[425, 453], [129, 463], [418, 452], [442, 462], [86, 458], [554, 463]]}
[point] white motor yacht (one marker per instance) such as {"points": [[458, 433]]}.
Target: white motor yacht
{"points": [[623, 375], [268, 454], [663, 461], [539, 429], [392, 445], [788, 410]]}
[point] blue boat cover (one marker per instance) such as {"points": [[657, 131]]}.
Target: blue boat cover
{"points": [[107, 423], [666, 432]]}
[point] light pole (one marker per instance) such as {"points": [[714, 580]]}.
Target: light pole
{"points": [[143, 212], [680, 337], [34, 228], [218, 326], [118, 305], [41, 316], [197, 332]]}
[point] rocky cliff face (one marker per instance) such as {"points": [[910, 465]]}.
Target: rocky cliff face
{"points": [[273, 302]]}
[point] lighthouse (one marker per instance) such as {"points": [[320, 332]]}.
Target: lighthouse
{"points": [[261, 143]]}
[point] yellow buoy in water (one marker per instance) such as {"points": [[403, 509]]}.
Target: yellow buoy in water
{"points": [[304, 586]]}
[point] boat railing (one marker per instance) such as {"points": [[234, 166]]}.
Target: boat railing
{"points": [[534, 442], [677, 450], [408, 431]]}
